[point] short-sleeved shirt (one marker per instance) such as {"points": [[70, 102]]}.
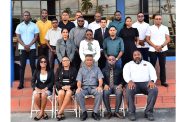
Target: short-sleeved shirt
{"points": [[113, 46], [43, 28], [68, 26], [27, 32], [142, 29], [53, 35], [89, 77], [157, 36], [117, 24]]}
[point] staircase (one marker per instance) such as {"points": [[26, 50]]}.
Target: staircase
{"points": [[21, 99]]}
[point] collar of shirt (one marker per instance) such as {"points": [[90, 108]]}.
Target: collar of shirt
{"points": [[114, 38]]}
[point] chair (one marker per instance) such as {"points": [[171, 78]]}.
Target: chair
{"points": [[145, 103], [90, 110], [66, 110], [122, 107], [50, 99]]}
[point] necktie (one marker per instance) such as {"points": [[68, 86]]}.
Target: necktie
{"points": [[103, 33], [111, 78]]}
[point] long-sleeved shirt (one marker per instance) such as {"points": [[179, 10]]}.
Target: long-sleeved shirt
{"points": [[84, 50], [113, 46], [77, 34], [93, 26], [143, 72]]}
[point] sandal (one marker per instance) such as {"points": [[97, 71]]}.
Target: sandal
{"points": [[45, 116], [59, 117], [62, 116]]}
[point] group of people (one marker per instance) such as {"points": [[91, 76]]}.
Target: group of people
{"points": [[93, 60]]}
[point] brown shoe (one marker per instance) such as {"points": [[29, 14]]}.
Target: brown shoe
{"points": [[117, 114], [108, 115]]}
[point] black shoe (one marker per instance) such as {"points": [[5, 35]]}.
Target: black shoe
{"points": [[108, 115], [150, 117], [95, 116], [37, 118], [132, 117], [117, 114], [45, 116], [164, 84], [84, 116], [20, 87]]}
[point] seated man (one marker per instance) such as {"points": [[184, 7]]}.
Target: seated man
{"points": [[141, 77], [89, 82], [113, 83]]}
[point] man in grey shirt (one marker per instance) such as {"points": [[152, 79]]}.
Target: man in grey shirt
{"points": [[89, 82], [77, 34]]}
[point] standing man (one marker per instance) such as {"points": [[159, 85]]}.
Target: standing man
{"points": [[27, 34], [77, 15], [65, 23], [96, 24], [141, 78], [142, 29], [118, 22], [113, 45], [113, 84], [100, 34], [51, 38], [44, 25], [89, 82], [158, 38], [77, 34]]}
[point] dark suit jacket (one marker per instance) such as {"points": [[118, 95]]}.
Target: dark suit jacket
{"points": [[98, 36], [48, 83]]}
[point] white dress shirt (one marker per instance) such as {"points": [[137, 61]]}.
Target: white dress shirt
{"points": [[157, 36], [93, 26], [142, 29], [53, 35], [142, 72], [83, 50], [85, 23]]}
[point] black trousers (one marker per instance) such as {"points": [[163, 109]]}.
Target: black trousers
{"points": [[161, 57], [23, 58], [77, 60], [141, 87], [145, 53], [43, 50], [52, 57]]}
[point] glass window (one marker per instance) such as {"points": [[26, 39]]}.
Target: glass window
{"points": [[154, 6], [131, 6], [168, 6], [108, 7], [16, 8]]}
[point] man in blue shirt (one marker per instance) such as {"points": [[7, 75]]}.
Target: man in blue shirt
{"points": [[117, 22], [89, 82], [27, 34]]}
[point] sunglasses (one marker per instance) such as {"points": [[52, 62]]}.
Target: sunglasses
{"points": [[42, 61], [140, 16], [65, 60], [111, 59]]}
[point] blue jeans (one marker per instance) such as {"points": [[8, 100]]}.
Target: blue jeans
{"points": [[119, 63]]}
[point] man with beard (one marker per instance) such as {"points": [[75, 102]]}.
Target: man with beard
{"points": [[65, 23], [27, 34], [158, 39], [141, 78], [77, 34], [118, 22], [142, 29], [44, 25], [113, 84], [96, 24]]}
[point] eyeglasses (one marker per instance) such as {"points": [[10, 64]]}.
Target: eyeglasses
{"points": [[26, 15], [42, 61], [65, 60]]}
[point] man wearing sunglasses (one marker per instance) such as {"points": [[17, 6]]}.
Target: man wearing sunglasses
{"points": [[142, 29]]}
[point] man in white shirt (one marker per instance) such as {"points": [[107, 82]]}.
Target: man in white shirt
{"points": [[96, 24], [142, 29], [77, 15], [158, 38], [141, 77], [51, 38]]}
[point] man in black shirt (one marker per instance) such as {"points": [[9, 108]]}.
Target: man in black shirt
{"points": [[65, 23]]}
